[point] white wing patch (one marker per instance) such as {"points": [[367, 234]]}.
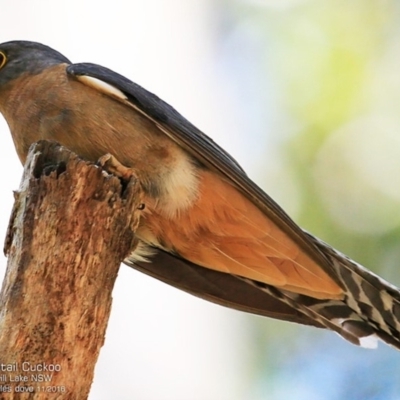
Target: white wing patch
{"points": [[101, 86]]}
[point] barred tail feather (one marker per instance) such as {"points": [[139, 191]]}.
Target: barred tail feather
{"points": [[370, 309], [330, 314], [375, 301]]}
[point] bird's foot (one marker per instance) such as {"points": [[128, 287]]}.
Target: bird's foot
{"points": [[113, 166], [127, 175]]}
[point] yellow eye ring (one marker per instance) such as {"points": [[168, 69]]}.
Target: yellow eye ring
{"points": [[3, 59]]}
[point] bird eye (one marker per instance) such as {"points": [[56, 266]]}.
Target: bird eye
{"points": [[3, 59]]}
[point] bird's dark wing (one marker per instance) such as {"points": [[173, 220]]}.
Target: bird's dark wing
{"points": [[218, 287], [202, 148]]}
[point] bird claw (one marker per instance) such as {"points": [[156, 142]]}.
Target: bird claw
{"points": [[109, 163]]}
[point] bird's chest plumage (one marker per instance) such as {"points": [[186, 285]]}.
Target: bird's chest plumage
{"points": [[92, 124]]}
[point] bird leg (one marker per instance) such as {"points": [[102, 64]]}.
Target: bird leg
{"points": [[110, 164], [113, 166]]}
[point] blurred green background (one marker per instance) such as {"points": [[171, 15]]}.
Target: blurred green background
{"points": [[332, 69]]}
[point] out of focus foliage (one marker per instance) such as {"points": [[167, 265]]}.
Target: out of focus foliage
{"points": [[332, 72]]}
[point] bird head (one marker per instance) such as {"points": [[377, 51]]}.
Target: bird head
{"points": [[22, 57]]}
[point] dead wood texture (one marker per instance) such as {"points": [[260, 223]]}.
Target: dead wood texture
{"points": [[71, 226]]}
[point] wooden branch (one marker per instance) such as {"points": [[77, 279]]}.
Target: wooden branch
{"points": [[71, 226]]}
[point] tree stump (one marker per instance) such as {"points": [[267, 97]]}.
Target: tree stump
{"points": [[72, 225]]}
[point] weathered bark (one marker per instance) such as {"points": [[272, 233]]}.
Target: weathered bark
{"points": [[71, 226]]}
